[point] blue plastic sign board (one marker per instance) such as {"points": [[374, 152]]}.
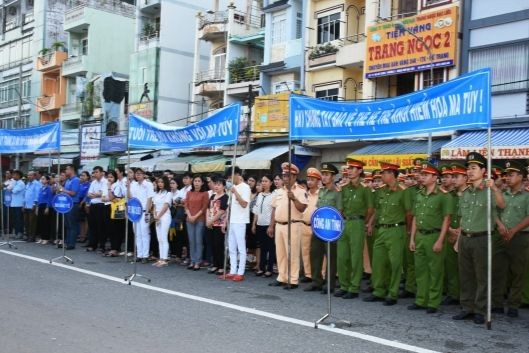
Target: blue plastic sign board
{"points": [[62, 203], [327, 223], [134, 209]]}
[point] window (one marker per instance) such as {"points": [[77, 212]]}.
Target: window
{"points": [[438, 77], [330, 94], [84, 46], [279, 28], [299, 25], [7, 123], [407, 8], [426, 4], [285, 86], [219, 63], [329, 28], [509, 65]]}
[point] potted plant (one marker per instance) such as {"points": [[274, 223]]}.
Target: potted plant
{"points": [[148, 30], [323, 50], [237, 69], [58, 46]]}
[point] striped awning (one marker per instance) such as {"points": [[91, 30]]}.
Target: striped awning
{"points": [[505, 144]]}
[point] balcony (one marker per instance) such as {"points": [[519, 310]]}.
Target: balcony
{"points": [[71, 112], [49, 102], [352, 53], [75, 66], [212, 26], [149, 5], [209, 83], [149, 41], [51, 61], [241, 79], [76, 17]]}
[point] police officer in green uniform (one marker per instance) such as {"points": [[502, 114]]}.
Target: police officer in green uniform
{"points": [[511, 242], [392, 203], [472, 241], [431, 218], [410, 284], [327, 196], [357, 203], [459, 179]]}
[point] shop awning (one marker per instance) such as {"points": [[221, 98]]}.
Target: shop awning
{"points": [[41, 162], [151, 164], [402, 153], [134, 157], [505, 144], [261, 158], [199, 164], [102, 162]]}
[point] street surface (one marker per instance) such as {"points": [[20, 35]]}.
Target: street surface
{"points": [[87, 307]]}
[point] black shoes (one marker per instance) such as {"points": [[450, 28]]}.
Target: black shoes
{"points": [[339, 293], [431, 311], [373, 298], [305, 280], [389, 302], [349, 295], [416, 307], [405, 294], [290, 286], [479, 319], [276, 284], [463, 315], [312, 288], [450, 301], [497, 310]]}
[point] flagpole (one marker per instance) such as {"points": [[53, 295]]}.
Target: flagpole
{"points": [[489, 233]]}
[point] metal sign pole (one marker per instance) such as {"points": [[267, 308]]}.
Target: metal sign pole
{"points": [[289, 224], [226, 240], [68, 259], [126, 213], [489, 235]]}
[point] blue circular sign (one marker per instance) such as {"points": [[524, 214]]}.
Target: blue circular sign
{"points": [[327, 223], [134, 209], [62, 203]]}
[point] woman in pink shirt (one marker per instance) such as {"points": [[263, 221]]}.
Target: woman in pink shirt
{"points": [[196, 204]]}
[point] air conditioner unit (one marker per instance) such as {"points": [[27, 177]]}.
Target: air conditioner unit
{"points": [[12, 10]]}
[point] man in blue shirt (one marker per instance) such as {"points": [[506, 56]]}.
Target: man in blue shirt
{"points": [[8, 180], [17, 189], [30, 205], [71, 219]]}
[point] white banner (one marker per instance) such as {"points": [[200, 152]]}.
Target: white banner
{"points": [[90, 142]]}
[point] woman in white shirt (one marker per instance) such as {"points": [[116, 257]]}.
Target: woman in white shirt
{"points": [[262, 211], [162, 217]]}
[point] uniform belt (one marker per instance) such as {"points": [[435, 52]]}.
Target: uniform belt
{"points": [[392, 225], [473, 235], [428, 231], [294, 221], [354, 218]]}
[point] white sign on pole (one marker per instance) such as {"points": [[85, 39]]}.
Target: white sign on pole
{"points": [[90, 142]]}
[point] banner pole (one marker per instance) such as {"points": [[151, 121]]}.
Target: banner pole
{"points": [[489, 233], [289, 225], [226, 240], [126, 176], [56, 191]]}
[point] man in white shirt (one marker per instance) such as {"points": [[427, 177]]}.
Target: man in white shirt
{"points": [[239, 217], [143, 190], [97, 190]]}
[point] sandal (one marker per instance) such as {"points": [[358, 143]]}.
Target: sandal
{"points": [[213, 270], [259, 273], [267, 274], [220, 272], [89, 249], [161, 263]]}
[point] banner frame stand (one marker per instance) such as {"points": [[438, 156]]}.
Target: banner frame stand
{"points": [[134, 273], [339, 323]]}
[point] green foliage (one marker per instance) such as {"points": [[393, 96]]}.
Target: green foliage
{"points": [[322, 50]]}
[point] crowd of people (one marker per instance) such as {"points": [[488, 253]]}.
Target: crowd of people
{"points": [[418, 233]]}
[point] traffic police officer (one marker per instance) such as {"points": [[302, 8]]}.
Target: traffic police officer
{"points": [[357, 203], [296, 196], [431, 218], [392, 203], [511, 244], [327, 196], [313, 180]]}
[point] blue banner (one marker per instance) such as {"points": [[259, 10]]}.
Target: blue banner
{"points": [[40, 138], [221, 128], [463, 102]]}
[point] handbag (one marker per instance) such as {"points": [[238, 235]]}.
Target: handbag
{"points": [[117, 209]]}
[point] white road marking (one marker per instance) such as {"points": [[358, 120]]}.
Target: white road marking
{"points": [[362, 336]]}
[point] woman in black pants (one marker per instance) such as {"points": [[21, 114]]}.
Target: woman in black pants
{"points": [[116, 227], [216, 221], [43, 211], [262, 211]]}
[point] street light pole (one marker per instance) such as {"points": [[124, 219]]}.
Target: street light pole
{"points": [[401, 27]]}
